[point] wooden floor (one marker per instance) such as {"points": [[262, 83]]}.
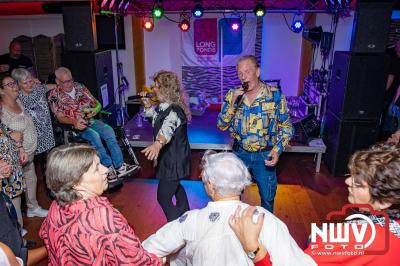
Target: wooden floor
{"points": [[302, 197]]}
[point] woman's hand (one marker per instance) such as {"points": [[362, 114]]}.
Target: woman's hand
{"points": [[145, 100], [245, 229], [5, 169], [23, 156], [152, 151]]}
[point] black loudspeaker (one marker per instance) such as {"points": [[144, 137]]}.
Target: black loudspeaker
{"points": [[79, 28], [306, 128], [344, 137], [371, 26], [95, 71], [357, 86]]}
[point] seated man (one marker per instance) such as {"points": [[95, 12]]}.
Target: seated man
{"points": [[73, 104]]}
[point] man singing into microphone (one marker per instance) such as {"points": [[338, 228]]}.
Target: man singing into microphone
{"points": [[260, 126]]}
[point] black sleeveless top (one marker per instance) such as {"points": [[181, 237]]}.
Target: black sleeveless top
{"points": [[173, 162]]}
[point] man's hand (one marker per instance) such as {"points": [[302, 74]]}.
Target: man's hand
{"points": [[90, 112], [4, 67], [274, 158], [5, 169], [152, 151], [80, 124], [236, 94]]}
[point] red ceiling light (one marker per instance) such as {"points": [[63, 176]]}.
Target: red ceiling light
{"points": [[184, 25], [148, 24]]}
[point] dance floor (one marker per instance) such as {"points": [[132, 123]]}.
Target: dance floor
{"points": [[302, 197]]}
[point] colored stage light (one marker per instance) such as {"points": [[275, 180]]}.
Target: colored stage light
{"points": [[259, 10], [158, 12], [148, 24], [184, 25], [297, 25], [235, 26], [198, 11]]}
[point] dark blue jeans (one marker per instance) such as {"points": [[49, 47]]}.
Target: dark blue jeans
{"points": [[265, 176], [98, 131]]}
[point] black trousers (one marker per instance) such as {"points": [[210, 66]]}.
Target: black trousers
{"points": [[166, 190]]}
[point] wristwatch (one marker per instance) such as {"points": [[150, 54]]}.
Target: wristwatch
{"points": [[253, 254], [161, 142]]}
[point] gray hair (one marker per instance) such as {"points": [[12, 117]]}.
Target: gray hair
{"points": [[65, 167], [226, 172], [252, 58], [21, 74], [62, 71]]}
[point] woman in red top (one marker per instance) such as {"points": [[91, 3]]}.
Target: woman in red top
{"points": [[81, 227], [374, 180]]}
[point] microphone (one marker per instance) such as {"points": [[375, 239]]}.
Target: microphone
{"points": [[138, 97], [239, 99]]}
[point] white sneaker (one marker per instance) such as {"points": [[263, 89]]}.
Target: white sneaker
{"points": [[38, 212], [126, 169], [23, 232]]}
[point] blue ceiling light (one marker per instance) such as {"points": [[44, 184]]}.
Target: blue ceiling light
{"points": [[198, 11], [297, 25]]}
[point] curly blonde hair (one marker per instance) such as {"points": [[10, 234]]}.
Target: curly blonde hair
{"points": [[170, 87], [379, 167]]}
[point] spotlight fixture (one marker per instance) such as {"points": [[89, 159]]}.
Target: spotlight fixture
{"points": [[198, 10], [259, 10], [148, 24], [235, 26], [184, 25], [297, 25], [158, 11]]}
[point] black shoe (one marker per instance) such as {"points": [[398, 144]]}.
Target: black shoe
{"points": [[114, 182]]}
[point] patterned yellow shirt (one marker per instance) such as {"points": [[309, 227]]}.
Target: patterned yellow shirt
{"points": [[264, 123]]}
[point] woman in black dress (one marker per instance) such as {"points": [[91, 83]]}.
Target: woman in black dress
{"points": [[170, 150]]}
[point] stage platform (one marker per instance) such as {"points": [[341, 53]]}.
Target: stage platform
{"points": [[204, 134]]}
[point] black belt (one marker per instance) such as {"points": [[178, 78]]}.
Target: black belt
{"points": [[236, 147]]}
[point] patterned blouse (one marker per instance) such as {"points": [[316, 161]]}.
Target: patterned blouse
{"points": [[36, 105], [170, 124], [91, 232], [15, 184], [61, 102], [23, 123], [264, 123]]}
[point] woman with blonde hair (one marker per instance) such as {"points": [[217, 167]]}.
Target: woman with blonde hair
{"points": [[170, 150]]}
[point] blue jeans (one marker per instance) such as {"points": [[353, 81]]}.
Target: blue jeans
{"points": [[265, 176], [98, 131]]}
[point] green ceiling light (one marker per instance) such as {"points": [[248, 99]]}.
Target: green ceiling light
{"points": [[259, 10], [158, 11]]}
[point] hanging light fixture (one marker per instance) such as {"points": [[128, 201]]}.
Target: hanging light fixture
{"points": [[197, 10], [158, 10], [184, 25], [259, 10], [148, 24]]}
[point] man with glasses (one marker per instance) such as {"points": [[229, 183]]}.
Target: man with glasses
{"points": [[74, 105]]}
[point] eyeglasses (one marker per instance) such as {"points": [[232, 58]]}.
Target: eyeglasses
{"points": [[65, 82], [11, 84]]}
